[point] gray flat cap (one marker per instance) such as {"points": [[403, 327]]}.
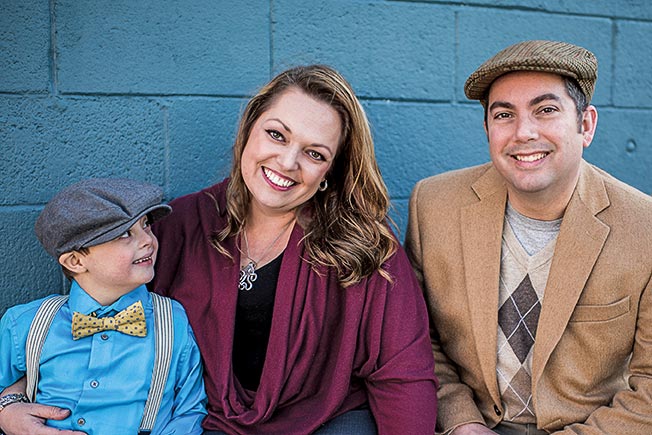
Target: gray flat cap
{"points": [[544, 56], [95, 211]]}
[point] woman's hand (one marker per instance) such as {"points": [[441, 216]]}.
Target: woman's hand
{"points": [[29, 419]]}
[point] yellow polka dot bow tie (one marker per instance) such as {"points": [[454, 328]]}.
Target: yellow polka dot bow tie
{"points": [[129, 321]]}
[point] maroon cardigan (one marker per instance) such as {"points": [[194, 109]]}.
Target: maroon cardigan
{"points": [[330, 349]]}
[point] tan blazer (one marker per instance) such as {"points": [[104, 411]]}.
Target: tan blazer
{"points": [[596, 312]]}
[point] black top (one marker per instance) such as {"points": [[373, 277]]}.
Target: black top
{"points": [[253, 321]]}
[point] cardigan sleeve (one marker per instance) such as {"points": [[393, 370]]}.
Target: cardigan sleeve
{"points": [[172, 234], [402, 389], [168, 233]]}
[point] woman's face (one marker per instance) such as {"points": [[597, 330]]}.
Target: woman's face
{"points": [[290, 149]]}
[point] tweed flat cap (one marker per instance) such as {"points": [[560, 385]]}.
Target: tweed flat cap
{"points": [[95, 211], [545, 56]]}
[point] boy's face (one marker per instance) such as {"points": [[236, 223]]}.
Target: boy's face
{"points": [[121, 265]]}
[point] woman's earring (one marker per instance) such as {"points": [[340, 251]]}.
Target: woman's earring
{"points": [[323, 185]]}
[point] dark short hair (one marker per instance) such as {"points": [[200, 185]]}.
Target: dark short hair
{"points": [[576, 94]]}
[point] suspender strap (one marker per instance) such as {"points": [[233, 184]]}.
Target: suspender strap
{"points": [[38, 331], [164, 339]]}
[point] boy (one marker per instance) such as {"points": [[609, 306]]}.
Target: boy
{"points": [[106, 343]]}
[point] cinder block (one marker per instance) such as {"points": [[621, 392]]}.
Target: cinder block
{"points": [[484, 32], [27, 272], [385, 49], [176, 47], [622, 146], [202, 133], [632, 79], [153, 91], [417, 140], [600, 8], [24, 44], [50, 143]]}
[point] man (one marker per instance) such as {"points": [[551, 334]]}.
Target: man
{"points": [[536, 266]]}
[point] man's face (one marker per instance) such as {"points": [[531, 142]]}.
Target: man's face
{"points": [[535, 141]]}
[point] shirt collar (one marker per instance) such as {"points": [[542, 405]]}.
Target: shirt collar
{"points": [[82, 302]]}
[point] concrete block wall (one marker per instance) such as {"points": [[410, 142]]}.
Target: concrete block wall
{"points": [[153, 89]]}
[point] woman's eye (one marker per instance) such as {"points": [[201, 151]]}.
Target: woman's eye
{"points": [[125, 235], [275, 135], [315, 155]]}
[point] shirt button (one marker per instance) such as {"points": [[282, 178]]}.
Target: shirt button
{"points": [[497, 410], [95, 384], [104, 337], [81, 421]]}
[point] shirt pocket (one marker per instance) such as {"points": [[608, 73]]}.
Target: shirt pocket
{"points": [[601, 313]]}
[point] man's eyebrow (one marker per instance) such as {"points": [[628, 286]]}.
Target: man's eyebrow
{"points": [[501, 104], [544, 97], [533, 102]]}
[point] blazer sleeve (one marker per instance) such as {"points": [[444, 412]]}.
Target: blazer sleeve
{"points": [[455, 399], [629, 412]]}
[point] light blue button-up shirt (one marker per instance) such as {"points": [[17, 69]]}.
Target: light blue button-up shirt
{"points": [[104, 378]]}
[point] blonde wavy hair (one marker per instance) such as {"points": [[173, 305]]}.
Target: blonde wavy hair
{"points": [[346, 226]]}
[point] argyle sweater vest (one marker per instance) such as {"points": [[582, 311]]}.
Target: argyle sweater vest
{"points": [[522, 284]]}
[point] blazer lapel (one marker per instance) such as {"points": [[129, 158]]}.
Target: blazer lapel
{"points": [[482, 227], [579, 243]]}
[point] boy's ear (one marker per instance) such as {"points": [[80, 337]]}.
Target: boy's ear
{"points": [[73, 261]]}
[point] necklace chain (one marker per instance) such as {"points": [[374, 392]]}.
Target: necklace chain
{"points": [[248, 272]]}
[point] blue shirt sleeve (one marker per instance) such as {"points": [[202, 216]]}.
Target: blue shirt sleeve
{"points": [[14, 326], [189, 404]]}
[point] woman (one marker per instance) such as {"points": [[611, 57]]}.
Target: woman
{"points": [[307, 313]]}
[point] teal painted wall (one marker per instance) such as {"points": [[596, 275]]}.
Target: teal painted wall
{"points": [[152, 90]]}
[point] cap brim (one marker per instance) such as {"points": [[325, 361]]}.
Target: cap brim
{"points": [[157, 211], [476, 88]]}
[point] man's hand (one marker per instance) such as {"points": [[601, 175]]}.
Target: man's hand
{"points": [[29, 419], [472, 429]]}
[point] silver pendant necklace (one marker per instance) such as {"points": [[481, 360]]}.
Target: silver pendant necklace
{"points": [[248, 272]]}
